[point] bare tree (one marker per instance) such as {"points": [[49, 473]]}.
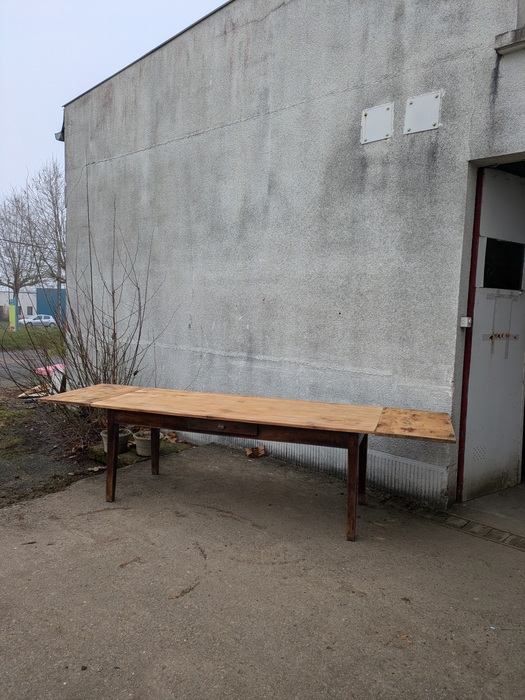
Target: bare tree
{"points": [[33, 232], [106, 314], [19, 266], [47, 209], [101, 336]]}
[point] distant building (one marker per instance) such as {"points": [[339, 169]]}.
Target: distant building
{"points": [[331, 197], [26, 302], [33, 300], [50, 300]]}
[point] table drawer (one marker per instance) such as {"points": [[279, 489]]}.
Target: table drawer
{"points": [[221, 426]]}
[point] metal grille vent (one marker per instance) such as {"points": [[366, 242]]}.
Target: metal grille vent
{"points": [[479, 453]]}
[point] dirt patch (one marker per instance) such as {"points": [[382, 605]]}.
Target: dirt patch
{"points": [[26, 426], [40, 451]]}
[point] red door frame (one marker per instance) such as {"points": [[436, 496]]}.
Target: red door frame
{"points": [[468, 336]]}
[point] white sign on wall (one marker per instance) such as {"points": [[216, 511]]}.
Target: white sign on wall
{"points": [[423, 112], [377, 123]]}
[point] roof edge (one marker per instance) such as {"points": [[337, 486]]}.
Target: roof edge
{"points": [[183, 31]]}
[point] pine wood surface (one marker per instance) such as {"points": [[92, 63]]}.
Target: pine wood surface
{"points": [[87, 395], [373, 420], [248, 409], [401, 422]]}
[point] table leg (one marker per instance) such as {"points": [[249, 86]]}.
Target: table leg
{"points": [[155, 449], [352, 485], [363, 449], [112, 456]]}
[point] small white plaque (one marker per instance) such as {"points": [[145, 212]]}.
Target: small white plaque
{"points": [[423, 112], [377, 123]]}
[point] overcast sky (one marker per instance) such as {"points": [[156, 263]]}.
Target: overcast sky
{"points": [[51, 51]]}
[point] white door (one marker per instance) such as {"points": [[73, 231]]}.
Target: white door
{"points": [[494, 418]]}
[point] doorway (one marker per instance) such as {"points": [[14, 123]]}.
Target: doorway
{"points": [[492, 434]]}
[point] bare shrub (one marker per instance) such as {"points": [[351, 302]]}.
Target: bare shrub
{"points": [[101, 336]]}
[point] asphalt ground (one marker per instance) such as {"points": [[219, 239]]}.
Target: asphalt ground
{"points": [[14, 368], [226, 577]]}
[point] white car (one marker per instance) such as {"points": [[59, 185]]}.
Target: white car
{"points": [[38, 320]]}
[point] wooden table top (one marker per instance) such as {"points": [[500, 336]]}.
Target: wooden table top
{"points": [[374, 420]]}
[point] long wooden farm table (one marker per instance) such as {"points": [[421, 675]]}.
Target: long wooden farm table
{"points": [[259, 418]]}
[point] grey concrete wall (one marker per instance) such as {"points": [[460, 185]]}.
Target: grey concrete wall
{"points": [[291, 259]]}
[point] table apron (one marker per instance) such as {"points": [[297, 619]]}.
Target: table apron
{"points": [[239, 429]]}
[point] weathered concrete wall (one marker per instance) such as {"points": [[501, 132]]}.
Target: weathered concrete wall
{"points": [[295, 261]]}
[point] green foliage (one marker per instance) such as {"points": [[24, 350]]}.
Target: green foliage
{"points": [[10, 443], [50, 340], [6, 416]]}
